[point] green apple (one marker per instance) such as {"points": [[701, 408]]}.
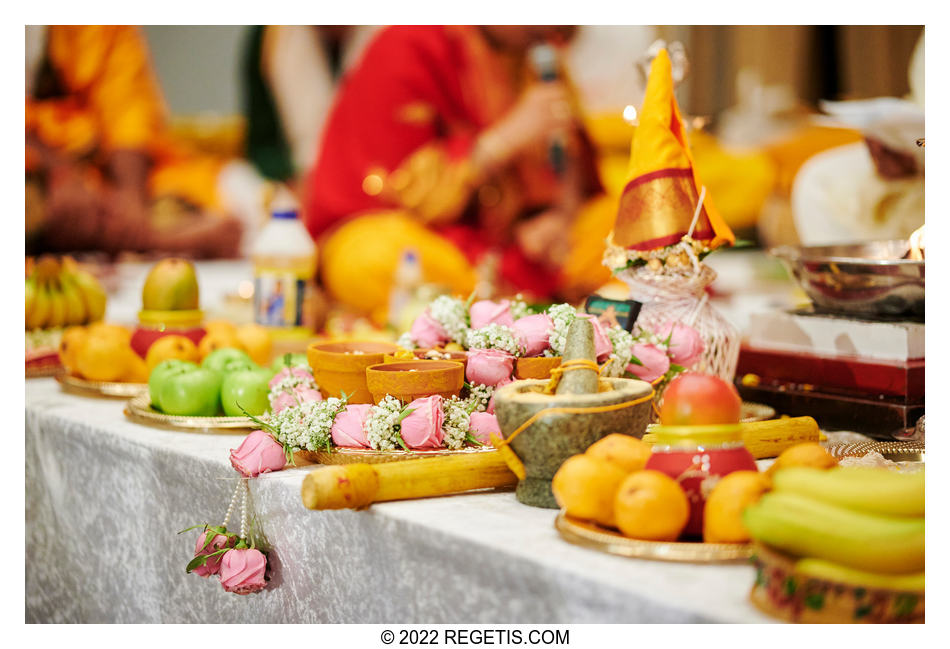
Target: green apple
{"points": [[219, 358], [247, 389], [296, 360], [161, 372], [194, 392]]}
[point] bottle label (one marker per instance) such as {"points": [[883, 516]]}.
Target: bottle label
{"points": [[279, 299]]}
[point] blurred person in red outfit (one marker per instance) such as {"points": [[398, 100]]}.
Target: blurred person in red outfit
{"points": [[440, 141]]}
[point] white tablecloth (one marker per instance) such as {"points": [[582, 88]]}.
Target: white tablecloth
{"points": [[106, 496]]}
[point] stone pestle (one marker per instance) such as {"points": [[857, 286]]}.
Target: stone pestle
{"points": [[579, 345]]}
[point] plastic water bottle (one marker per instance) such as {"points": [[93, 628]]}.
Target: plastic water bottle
{"points": [[406, 281], [285, 263]]}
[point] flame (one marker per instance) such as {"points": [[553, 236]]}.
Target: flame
{"points": [[916, 240]]}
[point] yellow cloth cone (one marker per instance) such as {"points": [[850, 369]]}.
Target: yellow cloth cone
{"points": [[662, 190]]}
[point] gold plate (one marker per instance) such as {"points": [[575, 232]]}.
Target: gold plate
{"points": [[755, 412], [140, 410], [600, 538], [897, 451], [114, 389], [342, 455]]}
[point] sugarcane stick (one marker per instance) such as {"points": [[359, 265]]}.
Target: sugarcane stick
{"points": [[769, 438], [355, 486]]}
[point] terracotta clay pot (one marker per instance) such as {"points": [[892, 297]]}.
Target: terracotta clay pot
{"points": [[341, 367], [421, 354], [536, 367], [410, 380]]}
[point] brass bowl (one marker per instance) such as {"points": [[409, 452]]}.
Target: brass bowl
{"points": [[341, 367], [409, 380], [869, 279]]}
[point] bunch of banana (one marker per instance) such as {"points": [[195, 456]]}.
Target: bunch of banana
{"points": [[856, 525], [60, 294]]}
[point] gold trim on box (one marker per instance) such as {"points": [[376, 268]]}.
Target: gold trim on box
{"points": [[897, 451], [599, 538], [101, 388], [342, 455], [140, 410]]}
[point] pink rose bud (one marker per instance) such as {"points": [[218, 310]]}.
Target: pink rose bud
{"points": [[258, 454], [423, 427], [281, 401], [533, 333], [287, 372], [347, 429], [305, 394], [488, 366], [242, 571], [483, 424], [655, 362], [426, 331], [212, 565], [686, 345], [602, 345], [486, 312], [490, 408]]}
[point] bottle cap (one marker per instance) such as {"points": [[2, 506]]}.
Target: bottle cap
{"points": [[285, 214]]}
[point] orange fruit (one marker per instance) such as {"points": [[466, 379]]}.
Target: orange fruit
{"points": [[256, 341], [217, 340], [220, 327], [652, 506], [110, 330], [722, 518], [627, 452], [170, 347], [810, 454], [137, 371], [102, 358], [69, 345], [584, 487]]}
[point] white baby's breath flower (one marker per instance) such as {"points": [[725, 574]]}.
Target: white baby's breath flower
{"points": [[452, 314], [622, 342], [495, 336], [382, 424], [479, 397], [519, 308], [306, 425], [562, 315], [455, 425], [405, 341]]}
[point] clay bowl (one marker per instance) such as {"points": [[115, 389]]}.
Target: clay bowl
{"points": [[341, 367], [431, 355], [409, 380], [553, 438], [536, 367]]}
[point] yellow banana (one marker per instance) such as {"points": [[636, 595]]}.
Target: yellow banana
{"points": [[836, 572], [806, 527], [29, 293], [72, 297], [37, 316], [93, 295], [862, 488], [57, 306]]}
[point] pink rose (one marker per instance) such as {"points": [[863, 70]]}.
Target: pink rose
{"points": [[347, 429], [490, 408], [655, 362], [488, 366], [533, 333], [305, 394], [423, 427], [686, 345], [287, 372], [483, 424], [426, 331], [212, 565], [486, 312], [602, 345], [242, 571], [258, 454], [281, 401]]}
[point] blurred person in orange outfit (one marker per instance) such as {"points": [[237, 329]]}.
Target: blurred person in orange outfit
{"points": [[443, 140], [102, 171]]}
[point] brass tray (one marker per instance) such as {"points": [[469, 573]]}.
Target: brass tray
{"points": [[343, 455], [755, 412], [907, 451], [600, 538], [140, 410], [114, 389]]}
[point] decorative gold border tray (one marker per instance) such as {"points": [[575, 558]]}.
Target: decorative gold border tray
{"points": [[113, 389], [755, 412], [343, 455], [599, 538], [897, 451], [140, 410]]}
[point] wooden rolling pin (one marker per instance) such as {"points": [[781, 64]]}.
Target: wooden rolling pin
{"points": [[771, 437], [355, 486]]}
